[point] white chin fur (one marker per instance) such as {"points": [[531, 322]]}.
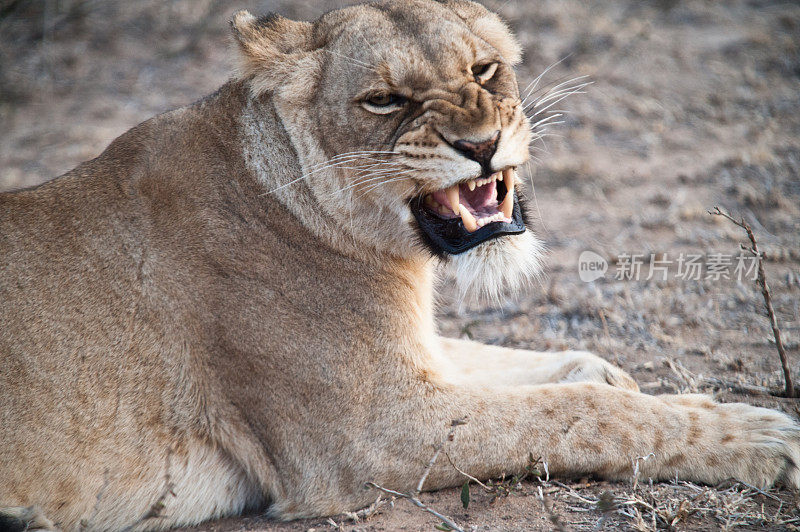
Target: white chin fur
{"points": [[497, 268]]}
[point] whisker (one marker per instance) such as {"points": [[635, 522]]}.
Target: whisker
{"points": [[557, 95], [371, 177], [532, 85], [540, 137], [375, 177], [551, 135], [383, 175], [550, 124], [318, 169], [384, 182], [558, 86], [354, 155], [552, 96], [338, 161], [544, 89], [535, 200], [353, 61], [544, 109], [545, 120], [566, 86]]}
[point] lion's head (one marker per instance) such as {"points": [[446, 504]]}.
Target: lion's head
{"points": [[408, 125]]}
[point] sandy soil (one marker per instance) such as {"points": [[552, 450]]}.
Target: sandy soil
{"points": [[693, 104]]}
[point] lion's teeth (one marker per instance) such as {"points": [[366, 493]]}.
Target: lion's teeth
{"points": [[469, 221], [507, 207], [453, 198], [472, 184]]}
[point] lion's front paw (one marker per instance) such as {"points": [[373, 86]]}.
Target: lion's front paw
{"points": [[752, 444], [767, 443]]}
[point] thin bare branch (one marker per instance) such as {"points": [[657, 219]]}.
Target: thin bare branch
{"points": [[155, 509], [414, 496], [765, 292], [416, 502]]}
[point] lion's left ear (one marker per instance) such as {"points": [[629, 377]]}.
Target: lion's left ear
{"points": [[274, 51], [489, 27]]}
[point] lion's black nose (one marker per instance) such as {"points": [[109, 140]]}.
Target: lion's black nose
{"points": [[479, 151]]}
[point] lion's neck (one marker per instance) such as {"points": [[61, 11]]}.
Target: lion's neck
{"points": [[280, 148], [264, 249]]}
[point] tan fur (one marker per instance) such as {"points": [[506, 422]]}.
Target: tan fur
{"points": [[217, 306]]}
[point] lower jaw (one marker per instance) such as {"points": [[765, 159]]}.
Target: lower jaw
{"points": [[449, 236]]}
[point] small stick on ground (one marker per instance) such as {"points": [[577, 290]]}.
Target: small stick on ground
{"points": [[436, 451], [86, 524], [155, 509], [548, 508], [505, 486], [762, 281], [369, 511], [414, 496]]}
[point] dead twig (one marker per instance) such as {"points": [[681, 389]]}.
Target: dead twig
{"points": [[762, 281], [548, 508], [155, 509], [437, 450], [414, 500], [369, 511], [469, 477], [505, 486], [414, 495], [86, 524]]}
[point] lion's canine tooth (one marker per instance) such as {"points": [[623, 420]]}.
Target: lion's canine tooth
{"points": [[507, 207], [471, 184], [453, 198], [469, 221]]}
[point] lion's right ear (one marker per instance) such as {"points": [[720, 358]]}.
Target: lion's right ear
{"points": [[273, 51]]}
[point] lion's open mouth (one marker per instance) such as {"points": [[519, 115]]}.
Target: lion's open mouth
{"points": [[464, 215]]}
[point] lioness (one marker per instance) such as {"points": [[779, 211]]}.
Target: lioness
{"points": [[234, 302]]}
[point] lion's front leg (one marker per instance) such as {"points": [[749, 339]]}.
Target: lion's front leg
{"points": [[588, 428], [576, 428], [501, 366]]}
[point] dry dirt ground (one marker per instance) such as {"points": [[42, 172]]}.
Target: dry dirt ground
{"points": [[693, 104]]}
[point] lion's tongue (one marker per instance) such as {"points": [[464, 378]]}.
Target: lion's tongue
{"points": [[478, 201], [475, 202]]}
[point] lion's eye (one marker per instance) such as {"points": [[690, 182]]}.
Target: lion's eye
{"points": [[383, 103], [484, 72], [382, 99]]}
